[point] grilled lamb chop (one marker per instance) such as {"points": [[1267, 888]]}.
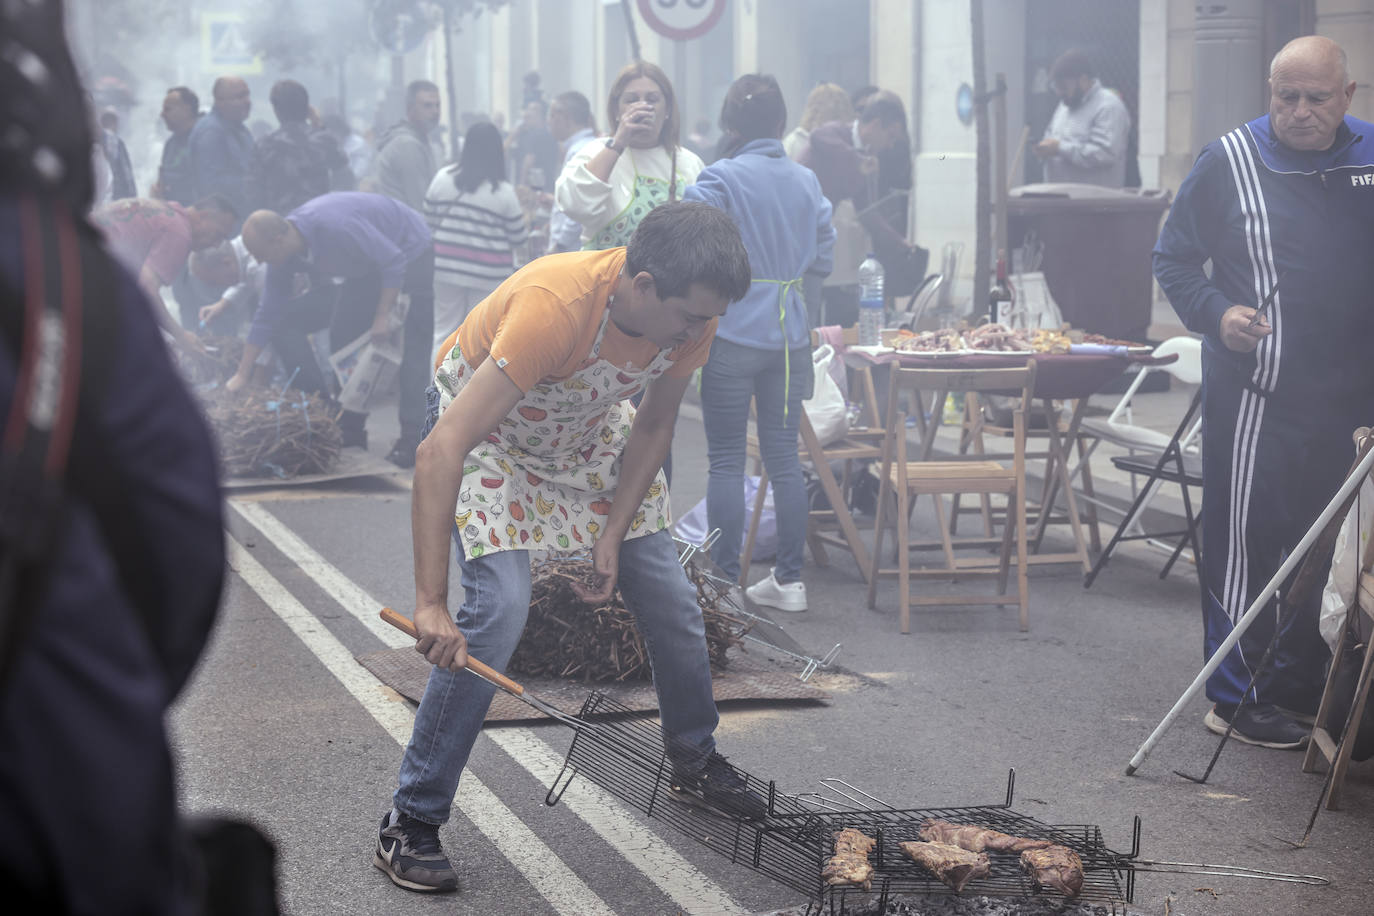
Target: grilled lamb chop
{"points": [[849, 864], [1055, 868], [954, 867], [977, 839]]}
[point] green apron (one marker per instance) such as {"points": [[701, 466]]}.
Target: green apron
{"points": [[646, 194]]}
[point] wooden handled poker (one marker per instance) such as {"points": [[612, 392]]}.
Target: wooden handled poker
{"points": [[491, 675]]}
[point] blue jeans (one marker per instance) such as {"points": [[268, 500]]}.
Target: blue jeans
{"points": [[492, 617], [733, 375]]}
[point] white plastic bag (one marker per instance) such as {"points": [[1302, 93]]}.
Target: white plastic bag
{"points": [[1342, 581], [692, 527], [826, 407]]}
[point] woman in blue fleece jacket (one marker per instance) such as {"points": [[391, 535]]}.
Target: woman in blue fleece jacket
{"points": [[762, 348]]}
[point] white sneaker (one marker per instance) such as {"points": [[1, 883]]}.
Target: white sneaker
{"points": [[770, 592]]}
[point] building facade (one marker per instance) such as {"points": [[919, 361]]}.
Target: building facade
{"points": [[1186, 71]]}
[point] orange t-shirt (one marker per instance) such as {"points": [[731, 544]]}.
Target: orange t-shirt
{"points": [[540, 324]]}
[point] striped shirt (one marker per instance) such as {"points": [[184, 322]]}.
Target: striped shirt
{"points": [[475, 232]]}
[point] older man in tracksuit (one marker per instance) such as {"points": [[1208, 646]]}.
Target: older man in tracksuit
{"points": [[1284, 201]]}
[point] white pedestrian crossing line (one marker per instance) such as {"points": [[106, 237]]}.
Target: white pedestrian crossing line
{"points": [[547, 873], [679, 880]]}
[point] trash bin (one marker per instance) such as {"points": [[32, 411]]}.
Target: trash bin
{"points": [[1093, 245]]}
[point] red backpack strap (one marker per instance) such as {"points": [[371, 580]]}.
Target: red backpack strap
{"points": [[42, 326]]}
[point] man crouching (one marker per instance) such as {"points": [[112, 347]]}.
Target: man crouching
{"points": [[531, 436]]}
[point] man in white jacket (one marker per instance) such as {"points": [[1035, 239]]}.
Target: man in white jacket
{"points": [[1086, 140]]}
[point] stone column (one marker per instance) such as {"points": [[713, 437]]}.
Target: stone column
{"points": [[1351, 22], [1228, 74]]}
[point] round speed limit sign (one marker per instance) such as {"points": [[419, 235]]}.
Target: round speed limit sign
{"points": [[681, 20]]}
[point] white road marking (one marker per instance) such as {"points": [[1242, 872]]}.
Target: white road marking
{"points": [[557, 883], [660, 863]]}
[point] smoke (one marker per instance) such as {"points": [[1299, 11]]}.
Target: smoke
{"points": [[130, 52]]}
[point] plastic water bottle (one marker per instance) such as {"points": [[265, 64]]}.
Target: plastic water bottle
{"points": [[870, 301]]}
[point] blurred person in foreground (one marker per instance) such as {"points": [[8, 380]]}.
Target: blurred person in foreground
{"points": [[568, 336], [222, 147], [155, 238], [762, 350], [114, 557], [574, 126], [175, 176], [380, 248], [405, 160], [477, 223], [1282, 204], [295, 162], [1088, 132]]}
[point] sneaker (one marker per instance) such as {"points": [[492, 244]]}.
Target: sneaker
{"points": [[1299, 716], [1262, 725], [354, 438], [770, 592], [353, 429], [410, 854], [402, 454], [720, 786]]}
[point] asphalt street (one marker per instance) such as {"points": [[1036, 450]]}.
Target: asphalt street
{"points": [[282, 726]]}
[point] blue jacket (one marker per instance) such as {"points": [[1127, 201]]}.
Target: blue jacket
{"points": [[347, 234], [221, 160], [1262, 211], [785, 223]]}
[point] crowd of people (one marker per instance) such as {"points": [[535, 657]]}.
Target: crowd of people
{"points": [[552, 184]]}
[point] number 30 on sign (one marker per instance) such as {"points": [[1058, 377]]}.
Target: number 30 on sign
{"points": [[681, 20]]}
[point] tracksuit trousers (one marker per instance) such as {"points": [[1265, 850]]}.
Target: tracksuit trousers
{"points": [[1269, 468]]}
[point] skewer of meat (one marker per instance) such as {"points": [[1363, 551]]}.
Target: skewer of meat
{"points": [[849, 864], [977, 839], [954, 867], [1056, 868]]}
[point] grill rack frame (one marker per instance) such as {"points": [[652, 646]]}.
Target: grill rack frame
{"points": [[625, 753]]}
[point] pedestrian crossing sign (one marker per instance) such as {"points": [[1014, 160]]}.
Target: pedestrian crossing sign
{"points": [[225, 48]]}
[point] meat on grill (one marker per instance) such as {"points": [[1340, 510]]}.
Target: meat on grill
{"points": [[849, 864], [1056, 868], [976, 839], [954, 867]]}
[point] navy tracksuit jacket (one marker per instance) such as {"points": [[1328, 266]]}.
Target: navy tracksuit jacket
{"points": [[1277, 422]]}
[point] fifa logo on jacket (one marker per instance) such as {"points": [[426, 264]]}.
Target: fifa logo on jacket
{"points": [[1365, 180]]}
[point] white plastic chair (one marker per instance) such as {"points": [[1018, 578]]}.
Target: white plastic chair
{"points": [[921, 300], [1120, 428]]}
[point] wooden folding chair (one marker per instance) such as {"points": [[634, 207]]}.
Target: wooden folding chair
{"points": [[835, 525], [902, 479], [1040, 511]]}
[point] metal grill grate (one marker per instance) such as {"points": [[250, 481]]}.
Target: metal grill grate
{"points": [[623, 752]]}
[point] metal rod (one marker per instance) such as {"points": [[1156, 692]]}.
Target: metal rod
{"points": [[1226, 871], [1263, 666], [1261, 599]]}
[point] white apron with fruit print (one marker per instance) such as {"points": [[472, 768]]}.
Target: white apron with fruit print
{"points": [[545, 478]]}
